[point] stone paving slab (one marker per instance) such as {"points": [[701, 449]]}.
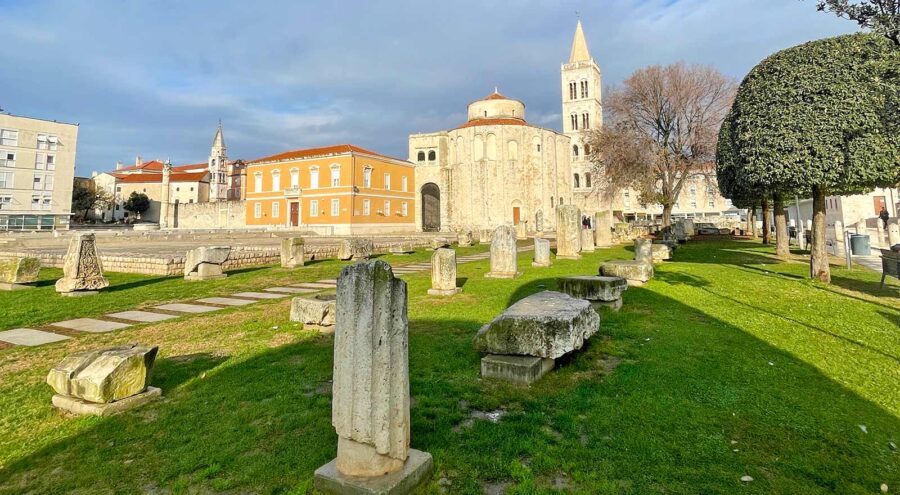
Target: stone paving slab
{"points": [[332, 281], [30, 337], [141, 316], [187, 308], [260, 295], [90, 325], [225, 301], [313, 285], [290, 290]]}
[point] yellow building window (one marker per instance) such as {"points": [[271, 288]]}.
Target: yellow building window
{"points": [[367, 207], [276, 209]]}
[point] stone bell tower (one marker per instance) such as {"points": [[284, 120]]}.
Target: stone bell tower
{"points": [[218, 168], [581, 105]]}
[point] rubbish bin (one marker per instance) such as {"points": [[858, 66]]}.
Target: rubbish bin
{"points": [[859, 245]]}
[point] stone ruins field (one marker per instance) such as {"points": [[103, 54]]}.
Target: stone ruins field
{"points": [[727, 364]]}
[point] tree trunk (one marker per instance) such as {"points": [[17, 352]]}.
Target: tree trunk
{"points": [[818, 257], [751, 218], [765, 220], [782, 241], [667, 215]]}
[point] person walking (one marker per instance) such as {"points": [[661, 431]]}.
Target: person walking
{"points": [[884, 216]]}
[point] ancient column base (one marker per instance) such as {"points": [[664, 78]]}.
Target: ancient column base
{"points": [[613, 305], [568, 257], [79, 293], [8, 286], [522, 370], [78, 406], [540, 265], [444, 292], [416, 470], [502, 274], [194, 277]]}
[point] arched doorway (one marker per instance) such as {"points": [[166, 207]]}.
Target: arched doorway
{"points": [[431, 207]]}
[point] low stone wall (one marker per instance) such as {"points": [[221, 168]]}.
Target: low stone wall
{"points": [[217, 215]]}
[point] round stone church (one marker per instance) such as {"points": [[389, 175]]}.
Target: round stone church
{"points": [[494, 169]]}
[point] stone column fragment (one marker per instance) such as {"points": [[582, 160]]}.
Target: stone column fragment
{"points": [[292, 252], [587, 241], [541, 253], [443, 273], [503, 253], [82, 270], [643, 250], [603, 229], [568, 232]]}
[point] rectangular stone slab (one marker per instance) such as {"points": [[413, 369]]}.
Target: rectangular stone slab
{"points": [[523, 370], [225, 301], [29, 337], [547, 324], [416, 470], [289, 290], [260, 295], [187, 308], [90, 325], [141, 316], [593, 287], [313, 285], [78, 406]]}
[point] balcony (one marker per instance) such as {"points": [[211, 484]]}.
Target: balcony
{"points": [[292, 191]]}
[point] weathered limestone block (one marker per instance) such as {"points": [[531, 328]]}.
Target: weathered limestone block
{"points": [[523, 370], [660, 252], [356, 249], [541, 253], [547, 325], [440, 242], [635, 272], [402, 248], [893, 234], [443, 273], [467, 238], [643, 250], [539, 221], [689, 227], [568, 232], [17, 273], [521, 230], [587, 241], [317, 311], [679, 231], [485, 235], [503, 253], [593, 287], [370, 405], [105, 375], [603, 229], [82, 270], [205, 263], [672, 243], [292, 252]]}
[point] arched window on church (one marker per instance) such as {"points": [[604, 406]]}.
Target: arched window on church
{"points": [[491, 146], [561, 201], [431, 156], [512, 150], [587, 179], [584, 89], [572, 90], [478, 148], [585, 121], [551, 202], [575, 151], [573, 121], [421, 156], [587, 150], [577, 181], [536, 142]]}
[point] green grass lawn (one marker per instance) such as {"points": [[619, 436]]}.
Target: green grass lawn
{"points": [[729, 363]]}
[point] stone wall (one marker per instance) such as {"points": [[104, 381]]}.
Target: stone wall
{"points": [[217, 215]]}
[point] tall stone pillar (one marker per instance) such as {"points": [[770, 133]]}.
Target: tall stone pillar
{"points": [[503, 253], [603, 229], [838, 238], [587, 241], [893, 234], [643, 250], [541, 253], [568, 232], [292, 252], [164, 196], [370, 405]]}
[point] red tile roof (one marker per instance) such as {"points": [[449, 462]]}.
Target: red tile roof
{"points": [[181, 168], [152, 178], [151, 165], [499, 121], [338, 149], [495, 96]]}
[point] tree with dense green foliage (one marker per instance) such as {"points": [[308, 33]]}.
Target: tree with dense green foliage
{"points": [[85, 199], [137, 203], [881, 16], [815, 120]]}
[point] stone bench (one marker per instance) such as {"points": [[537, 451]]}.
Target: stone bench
{"points": [[523, 342], [637, 273], [599, 290]]}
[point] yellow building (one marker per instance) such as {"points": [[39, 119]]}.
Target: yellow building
{"points": [[342, 189]]}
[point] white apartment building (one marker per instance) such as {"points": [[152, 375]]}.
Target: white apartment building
{"points": [[37, 168]]}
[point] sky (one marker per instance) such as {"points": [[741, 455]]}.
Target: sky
{"points": [[154, 77]]}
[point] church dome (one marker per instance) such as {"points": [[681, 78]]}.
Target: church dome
{"points": [[496, 106]]}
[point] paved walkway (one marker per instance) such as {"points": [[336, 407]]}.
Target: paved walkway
{"points": [[123, 319]]}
